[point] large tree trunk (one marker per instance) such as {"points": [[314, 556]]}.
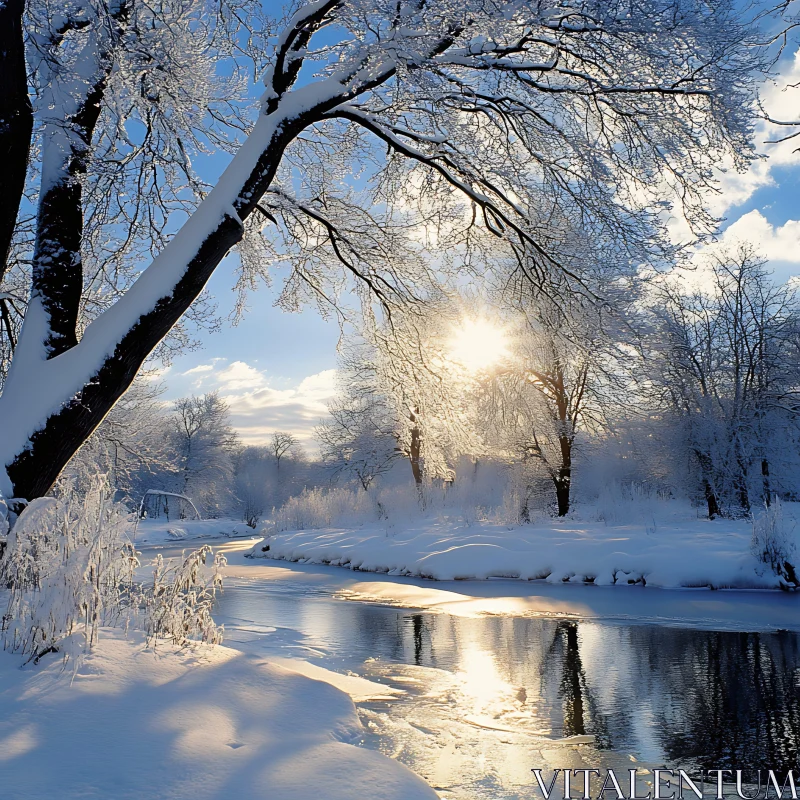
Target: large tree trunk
{"points": [[709, 493], [16, 121], [415, 448], [35, 462], [33, 471], [712, 502], [562, 492], [563, 477]]}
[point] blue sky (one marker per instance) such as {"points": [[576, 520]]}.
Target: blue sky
{"points": [[276, 370]]}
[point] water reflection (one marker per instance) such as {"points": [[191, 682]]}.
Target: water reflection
{"points": [[741, 695], [489, 698]]}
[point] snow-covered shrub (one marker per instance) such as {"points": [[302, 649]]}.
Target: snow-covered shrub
{"points": [[178, 605], [620, 503], [348, 506], [69, 568], [322, 508], [520, 505], [773, 543]]}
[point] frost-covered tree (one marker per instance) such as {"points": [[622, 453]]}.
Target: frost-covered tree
{"points": [[464, 121], [724, 359], [267, 475], [562, 378], [203, 443], [427, 389], [283, 444], [360, 436]]}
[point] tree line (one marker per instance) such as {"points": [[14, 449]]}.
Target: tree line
{"points": [[688, 381]]}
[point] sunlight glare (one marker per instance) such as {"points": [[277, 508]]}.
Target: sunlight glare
{"points": [[481, 681], [478, 344]]}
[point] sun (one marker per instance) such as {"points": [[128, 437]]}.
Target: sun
{"points": [[477, 344]]}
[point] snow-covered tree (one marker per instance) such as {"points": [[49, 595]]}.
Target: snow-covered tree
{"points": [[360, 437], [466, 121], [203, 442], [561, 380], [267, 475], [724, 359], [283, 444], [427, 389]]}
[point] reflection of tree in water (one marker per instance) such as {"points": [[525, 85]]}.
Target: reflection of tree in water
{"points": [[419, 628], [739, 699], [581, 712], [714, 700]]}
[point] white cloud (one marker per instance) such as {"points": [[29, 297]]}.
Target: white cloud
{"points": [[781, 100], [257, 408], [257, 414], [239, 376], [775, 243], [778, 244]]}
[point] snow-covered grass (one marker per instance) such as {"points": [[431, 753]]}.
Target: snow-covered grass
{"points": [[638, 539], [773, 542], [207, 724], [70, 567]]}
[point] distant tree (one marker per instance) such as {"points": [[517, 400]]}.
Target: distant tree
{"points": [[261, 482], [562, 377], [724, 359], [283, 444], [360, 436], [414, 367], [254, 469], [204, 443]]}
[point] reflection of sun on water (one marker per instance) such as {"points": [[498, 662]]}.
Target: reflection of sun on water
{"points": [[481, 681], [477, 344]]}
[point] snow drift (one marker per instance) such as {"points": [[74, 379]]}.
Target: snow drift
{"points": [[673, 551], [210, 724]]}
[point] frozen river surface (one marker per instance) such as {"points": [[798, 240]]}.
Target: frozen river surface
{"points": [[516, 678]]}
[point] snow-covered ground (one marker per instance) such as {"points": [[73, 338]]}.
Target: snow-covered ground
{"points": [[207, 724], [677, 550], [161, 530]]}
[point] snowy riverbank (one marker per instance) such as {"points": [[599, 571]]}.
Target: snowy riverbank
{"points": [[164, 531], [210, 724], [677, 551]]}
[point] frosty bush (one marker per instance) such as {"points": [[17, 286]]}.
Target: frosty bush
{"points": [[625, 502], [70, 568], [773, 544], [178, 606], [347, 506], [321, 508]]}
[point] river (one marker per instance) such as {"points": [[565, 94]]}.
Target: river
{"points": [[486, 697]]}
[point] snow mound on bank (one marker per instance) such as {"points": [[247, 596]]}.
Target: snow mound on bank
{"points": [[211, 724], [163, 531], [675, 553]]}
